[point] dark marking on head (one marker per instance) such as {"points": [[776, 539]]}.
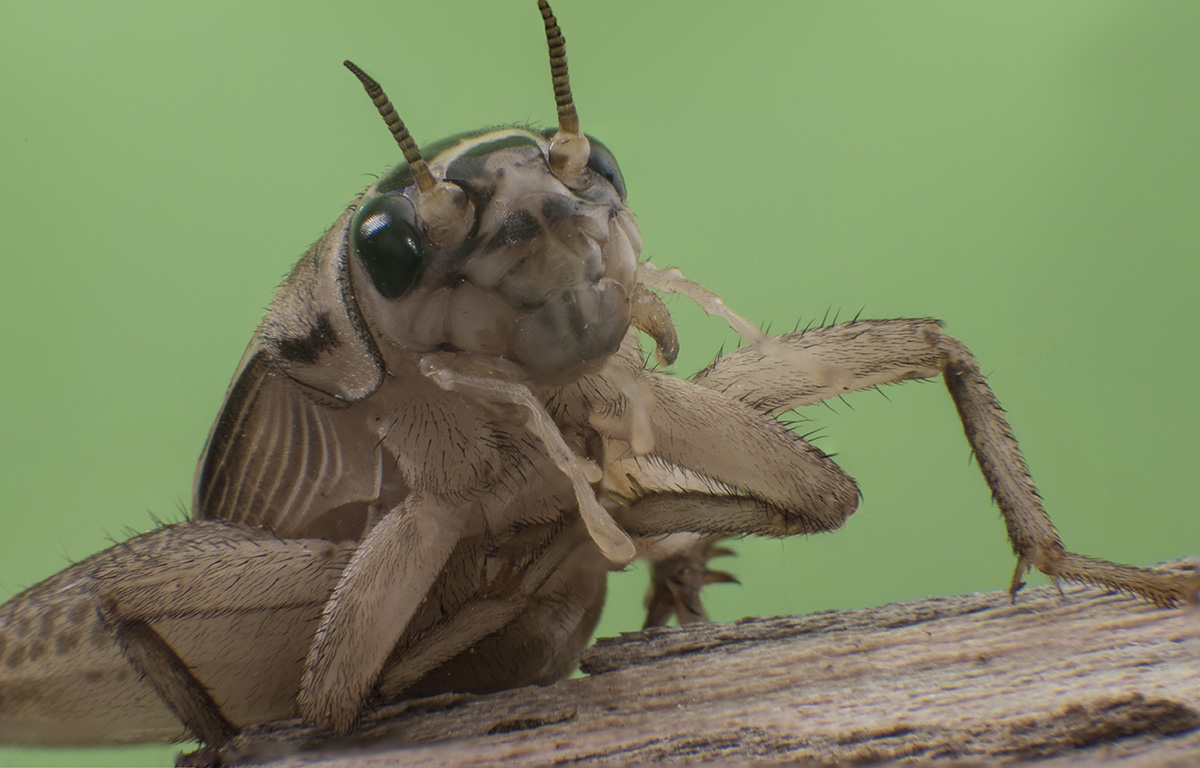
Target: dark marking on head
{"points": [[518, 227], [467, 169], [502, 143], [470, 164], [559, 208], [308, 349], [400, 177]]}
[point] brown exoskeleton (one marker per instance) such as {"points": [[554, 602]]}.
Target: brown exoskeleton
{"points": [[442, 438]]}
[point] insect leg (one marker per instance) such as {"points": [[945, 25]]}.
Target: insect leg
{"points": [[532, 602], [756, 461], [158, 663], [678, 572], [887, 351], [387, 578], [207, 569], [718, 468], [524, 624], [581, 472], [214, 617]]}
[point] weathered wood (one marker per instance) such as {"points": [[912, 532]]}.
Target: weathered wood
{"points": [[1083, 679]]}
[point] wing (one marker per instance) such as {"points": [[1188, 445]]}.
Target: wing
{"points": [[292, 449], [280, 459]]}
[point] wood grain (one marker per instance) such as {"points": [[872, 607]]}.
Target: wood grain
{"points": [[1081, 679]]}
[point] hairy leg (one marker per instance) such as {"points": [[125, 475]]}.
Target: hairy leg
{"points": [[771, 378]]}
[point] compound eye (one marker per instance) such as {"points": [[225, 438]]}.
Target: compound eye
{"points": [[602, 162], [385, 241]]}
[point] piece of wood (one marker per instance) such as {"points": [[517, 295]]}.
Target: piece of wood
{"points": [[1081, 679]]}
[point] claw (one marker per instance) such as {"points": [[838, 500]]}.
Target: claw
{"points": [[1018, 580], [719, 577], [1164, 588], [677, 576]]}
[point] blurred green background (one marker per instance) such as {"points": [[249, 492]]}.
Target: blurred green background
{"points": [[1029, 172]]}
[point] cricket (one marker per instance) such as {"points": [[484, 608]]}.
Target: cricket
{"points": [[456, 419]]}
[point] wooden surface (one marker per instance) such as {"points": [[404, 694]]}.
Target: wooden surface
{"points": [[1084, 679]]}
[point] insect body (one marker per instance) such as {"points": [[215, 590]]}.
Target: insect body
{"points": [[441, 439]]}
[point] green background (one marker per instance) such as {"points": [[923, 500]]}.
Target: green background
{"points": [[1026, 171]]}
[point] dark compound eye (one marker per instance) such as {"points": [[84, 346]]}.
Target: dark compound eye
{"points": [[602, 162], [385, 240]]}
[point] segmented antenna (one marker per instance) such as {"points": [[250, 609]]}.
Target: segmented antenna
{"points": [[569, 148], [420, 170], [568, 118]]}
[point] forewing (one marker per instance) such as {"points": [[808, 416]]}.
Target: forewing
{"points": [[280, 459]]}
